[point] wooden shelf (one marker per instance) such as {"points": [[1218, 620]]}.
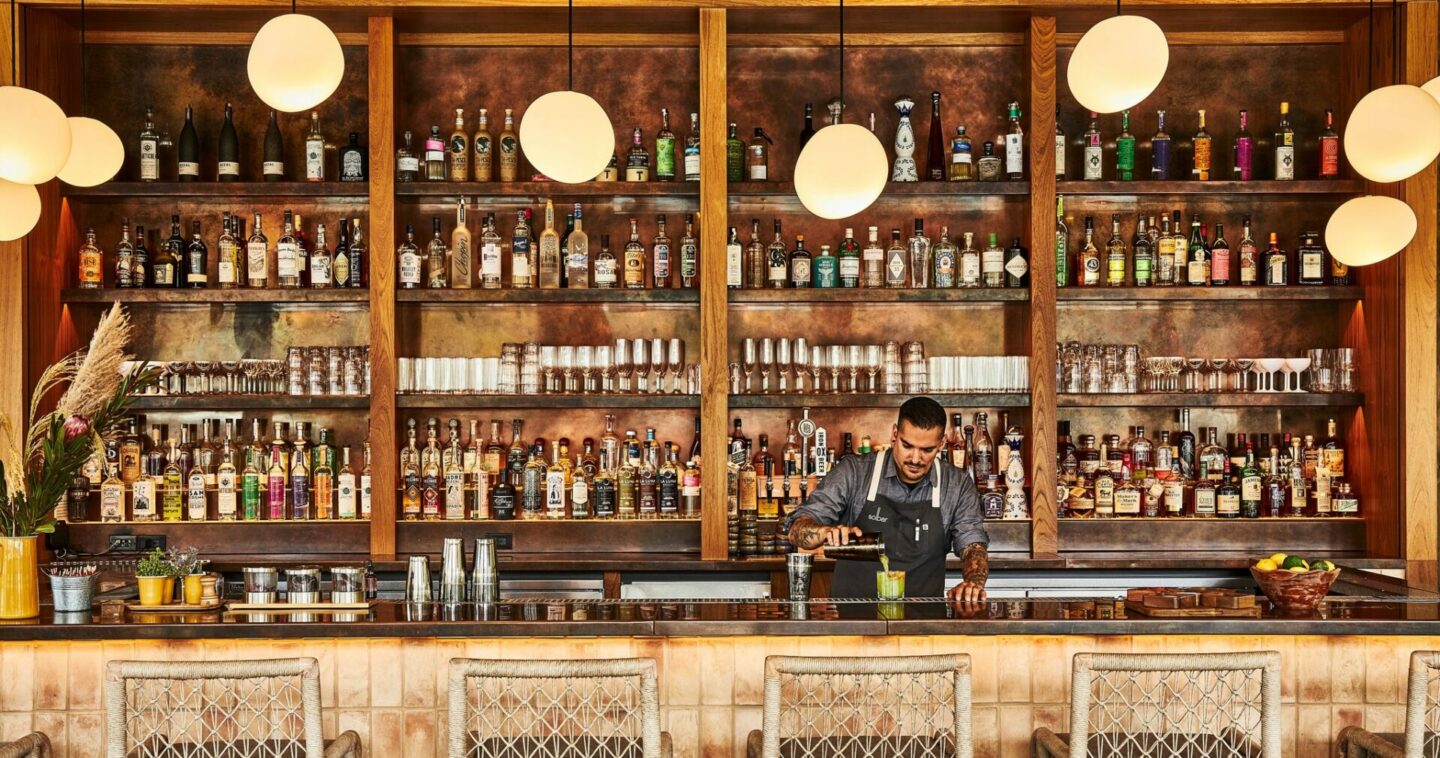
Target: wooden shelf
{"points": [[638, 297], [1232, 294], [1214, 400], [544, 402], [769, 190], [1142, 539], [523, 190], [267, 296], [225, 190], [856, 295], [982, 400], [289, 541], [247, 403], [1182, 187]]}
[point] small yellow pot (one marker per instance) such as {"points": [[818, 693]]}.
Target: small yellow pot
{"points": [[19, 578], [194, 590], [152, 590], [170, 590]]}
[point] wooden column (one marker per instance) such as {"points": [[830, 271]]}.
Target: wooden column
{"points": [[714, 318], [12, 290], [382, 285], [1041, 44]]}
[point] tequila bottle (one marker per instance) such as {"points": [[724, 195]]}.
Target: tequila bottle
{"points": [[605, 265], [437, 266], [689, 254], [490, 261], [1094, 151], [521, 273], [462, 259], [458, 150], [946, 260], [904, 169], [483, 162], [509, 149], [660, 255], [634, 259], [734, 261], [407, 164], [918, 248], [637, 161]]}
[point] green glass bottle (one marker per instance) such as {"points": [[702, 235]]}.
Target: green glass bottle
{"points": [[1125, 151], [734, 156], [825, 269]]}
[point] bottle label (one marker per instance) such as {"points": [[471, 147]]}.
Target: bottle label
{"points": [[1285, 160], [1014, 154], [314, 159], [1202, 159], [759, 172], [1310, 268], [1094, 160], [1227, 504], [352, 166], [520, 262], [1244, 157], [1174, 497], [409, 164], [1345, 504], [229, 168], [319, 271], [824, 270], [1160, 159], [273, 168], [1198, 272], [1059, 155], [143, 494], [993, 262], [225, 272], [777, 273], [149, 161], [1220, 264], [287, 259], [662, 261], [800, 271], [164, 274], [850, 270], [410, 268], [1205, 501], [1329, 157], [1018, 267], [365, 493], [665, 156], [733, 267], [1277, 270], [188, 168], [605, 271], [896, 269], [692, 163], [490, 260], [1143, 271], [969, 268], [1125, 158], [1127, 502]]}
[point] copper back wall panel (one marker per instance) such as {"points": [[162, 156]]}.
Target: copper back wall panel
{"points": [[477, 329], [227, 333], [1206, 329]]}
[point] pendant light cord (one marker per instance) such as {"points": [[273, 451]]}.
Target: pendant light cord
{"points": [[840, 119], [14, 48], [84, 91], [1370, 51], [570, 45], [1394, 42]]}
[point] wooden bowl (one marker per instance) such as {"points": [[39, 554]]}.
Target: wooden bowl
{"points": [[1289, 591]]}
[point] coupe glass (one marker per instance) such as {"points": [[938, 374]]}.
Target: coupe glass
{"points": [[1194, 380], [1269, 366], [1242, 374], [1215, 382], [202, 377], [1298, 365], [232, 376], [749, 358]]}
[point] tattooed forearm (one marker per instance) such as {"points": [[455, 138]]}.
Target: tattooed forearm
{"points": [[806, 534], [975, 564]]}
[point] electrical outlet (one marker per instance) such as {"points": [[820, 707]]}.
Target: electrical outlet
{"points": [[503, 540], [147, 542], [124, 543]]}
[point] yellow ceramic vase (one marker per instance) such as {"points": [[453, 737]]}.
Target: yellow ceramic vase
{"points": [[152, 589], [19, 578]]}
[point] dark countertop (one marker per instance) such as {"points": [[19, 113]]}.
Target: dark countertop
{"points": [[1341, 615]]}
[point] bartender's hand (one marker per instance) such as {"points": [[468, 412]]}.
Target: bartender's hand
{"points": [[967, 592], [811, 537]]}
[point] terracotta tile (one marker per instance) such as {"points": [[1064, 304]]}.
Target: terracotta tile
{"points": [[222, 650], [1016, 726], [1013, 664], [418, 660], [51, 675], [85, 672], [352, 673], [717, 668], [1047, 670], [13, 725], [1342, 716], [444, 651], [1288, 738], [984, 685], [386, 675], [1385, 718], [85, 733], [1053, 717], [1347, 669], [746, 718], [1312, 675], [17, 687], [387, 733], [357, 721], [749, 671], [1288, 666], [1384, 675], [53, 724], [683, 725], [1313, 732], [420, 734], [717, 730], [985, 731], [683, 672]]}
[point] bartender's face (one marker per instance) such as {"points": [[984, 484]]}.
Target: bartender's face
{"points": [[915, 450]]}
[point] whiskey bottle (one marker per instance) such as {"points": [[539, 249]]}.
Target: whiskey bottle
{"points": [[91, 263], [150, 148], [314, 150], [1227, 497], [482, 163], [409, 260], [458, 155], [197, 257], [227, 267], [287, 255], [1285, 147], [1202, 151], [549, 250], [509, 149], [689, 254], [407, 164], [692, 150], [125, 258], [140, 267], [1089, 257], [605, 274], [167, 265], [176, 246], [777, 264], [341, 259], [228, 167], [434, 156], [257, 257], [353, 160], [188, 151], [437, 265], [660, 255], [273, 163], [665, 149], [522, 272], [734, 156], [577, 258], [322, 274], [634, 258], [461, 256]]}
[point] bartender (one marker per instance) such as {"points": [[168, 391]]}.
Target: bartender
{"points": [[920, 510]]}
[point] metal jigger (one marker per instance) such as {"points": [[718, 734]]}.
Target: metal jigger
{"points": [[417, 580], [452, 571], [487, 572]]}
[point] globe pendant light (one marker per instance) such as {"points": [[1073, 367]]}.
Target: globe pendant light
{"points": [[1433, 87], [1103, 80], [842, 169], [1394, 131], [295, 62], [19, 210], [565, 134], [96, 152], [1369, 229], [34, 135]]}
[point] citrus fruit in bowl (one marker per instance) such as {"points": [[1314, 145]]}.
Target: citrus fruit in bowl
{"points": [[1293, 584]]}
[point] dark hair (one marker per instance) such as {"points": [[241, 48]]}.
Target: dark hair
{"points": [[922, 413]]}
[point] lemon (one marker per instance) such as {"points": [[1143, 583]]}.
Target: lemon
{"points": [[1265, 564], [1279, 558], [1295, 562]]}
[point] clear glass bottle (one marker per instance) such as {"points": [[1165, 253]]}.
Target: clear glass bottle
{"points": [[969, 265], [321, 275], [989, 164], [491, 277], [895, 265], [407, 164], [660, 255], [918, 250], [962, 167], [549, 253], [92, 275], [992, 263], [437, 262], [757, 156], [434, 156], [634, 258], [946, 259], [408, 264], [577, 259], [1116, 263], [522, 274]]}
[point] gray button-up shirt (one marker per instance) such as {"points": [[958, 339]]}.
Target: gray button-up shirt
{"points": [[842, 493]]}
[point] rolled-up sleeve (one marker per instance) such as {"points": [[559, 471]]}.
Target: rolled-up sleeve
{"points": [[968, 525], [829, 504]]}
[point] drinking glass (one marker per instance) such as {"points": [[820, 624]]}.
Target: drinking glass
{"points": [[734, 378], [1269, 366], [530, 369], [1215, 382], [767, 359], [548, 360], [1194, 380], [1322, 375], [782, 365], [801, 361], [817, 364], [890, 585], [622, 364], [676, 358], [872, 365], [657, 364], [855, 361], [1242, 374], [1345, 369], [1298, 366], [584, 363], [639, 352], [605, 364], [835, 363], [749, 359]]}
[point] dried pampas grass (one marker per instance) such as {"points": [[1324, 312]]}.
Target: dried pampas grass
{"points": [[97, 370]]}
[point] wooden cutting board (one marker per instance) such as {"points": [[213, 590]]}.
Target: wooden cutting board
{"points": [[1132, 606]]}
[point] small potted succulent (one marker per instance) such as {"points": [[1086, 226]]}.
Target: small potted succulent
{"points": [[154, 573]]}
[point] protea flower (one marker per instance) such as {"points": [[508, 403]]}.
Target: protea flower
{"points": [[76, 426]]}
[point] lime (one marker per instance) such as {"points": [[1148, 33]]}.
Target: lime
{"points": [[1265, 564], [1322, 565], [1279, 558], [1295, 562]]}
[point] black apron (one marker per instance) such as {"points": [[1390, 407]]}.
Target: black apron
{"points": [[915, 540]]}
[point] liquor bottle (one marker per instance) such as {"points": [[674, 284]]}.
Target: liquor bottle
{"points": [[556, 488], [692, 150], [346, 495], [323, 480], [664, 149], [579, 491], [227, 267], [112, 496], [1250, 487], [1062, 242], [734, 156], [611, 172], [162, 267], [409, 260], [605, 494], [1125, 150], [1284, 146], [257, 257], [342, 258], [1244, 152], [522, 270], [935, 149], [150, 147], [848, 261], [824, 269], [777, 263], [808, 129], [483, 163], [1094, 151], [407, 163], [918, 251], [353, 160], [894, 261], [1329, 148], [757, 156], [1166, 274], [1116, 264], [178, 252], [799, 264], [982, 450], [548, 254], [637, 160], [1249, 257], [1227, 497], [434, 156], [437, 264], [1015, 146], [1312, 257], [1017, 265], [634, 262], [453, 481], [314, 151], [577, 264], [457, 158], [490, 263], [689, 254], [1089, 257], [606, 276], [172, 496], [1160, 151], [1220, 258], [1197, 273], [961, 158], [1339, 272], [125, 258], [92, 275], [509, 149], [228, 167], [1059, 146], [756, 259], [947, 261], [873, 257], [1104, 488], [1203, 153], [660, 255], [188, 151], [322, 274], [1144, 254], [1277, 264], [734, 261], [992, 263], [287, 255], [565, 250], [989, 165]]}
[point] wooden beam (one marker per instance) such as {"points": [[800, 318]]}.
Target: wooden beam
{"points": [[382, 286], [13, 275], [1043, 416], [714, 317]]}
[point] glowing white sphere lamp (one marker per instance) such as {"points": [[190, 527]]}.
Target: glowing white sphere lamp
{"points": [[567, 136], [841, 171], [1369, 229], [295, 62], [34, 136], [1393, 133], [1118, 63], [96, 153], [19, 210], [1433, 87]]}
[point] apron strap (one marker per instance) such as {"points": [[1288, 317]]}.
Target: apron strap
{"points": [[875, 476], [935, 491]]}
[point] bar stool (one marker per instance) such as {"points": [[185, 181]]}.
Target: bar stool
{"points": [[1170, 704], [32, 745], [557, 709], [912, 706], [218, 709], [1422, 719]]}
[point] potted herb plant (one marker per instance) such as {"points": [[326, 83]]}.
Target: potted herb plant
{"points": [[41, 454], [154, 573]]}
